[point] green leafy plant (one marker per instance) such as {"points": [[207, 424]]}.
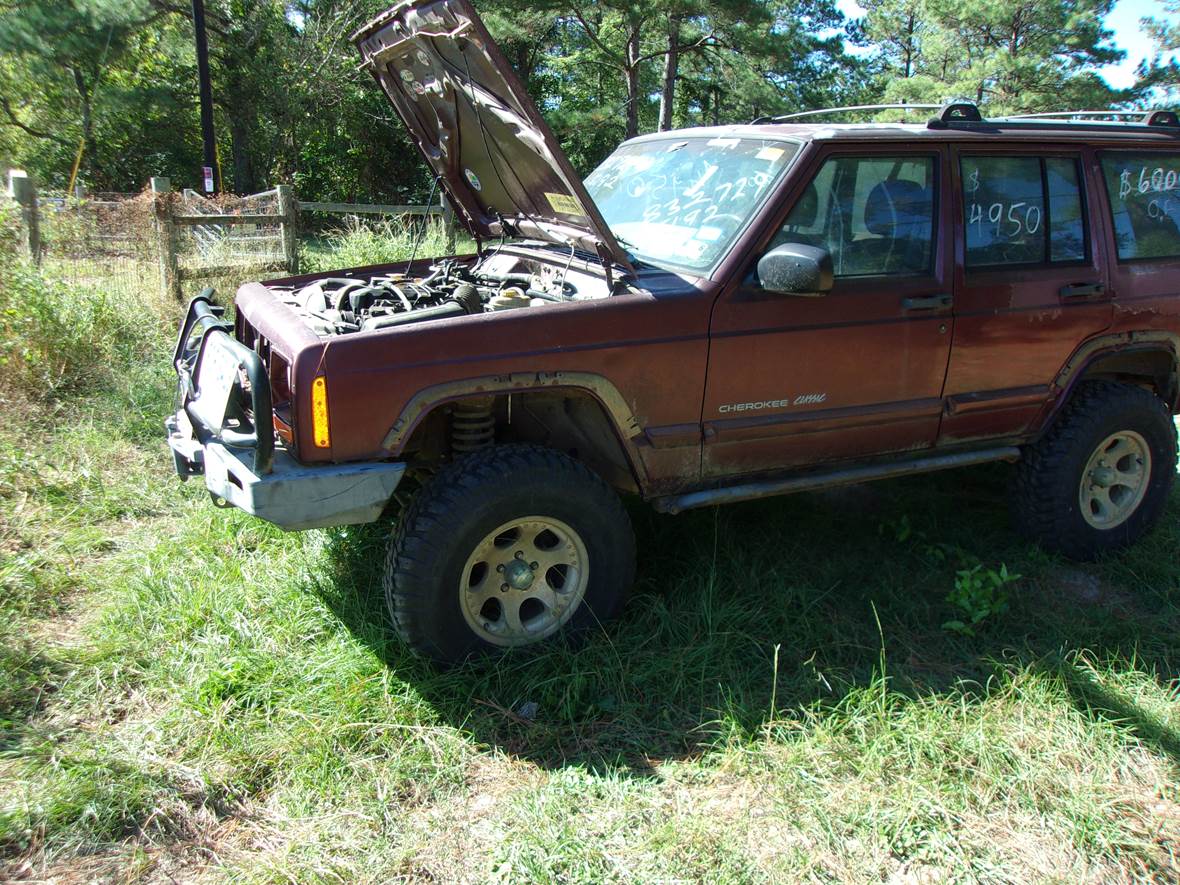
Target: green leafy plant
{"points": [[979, 593], [361, 242]]}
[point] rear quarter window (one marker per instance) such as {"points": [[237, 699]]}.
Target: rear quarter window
{"points": [[1144, 192]]}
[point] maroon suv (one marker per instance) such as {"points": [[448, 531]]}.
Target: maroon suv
{"points": [[714, 315]]}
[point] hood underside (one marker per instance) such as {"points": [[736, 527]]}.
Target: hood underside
{"points": [[477, 128]]}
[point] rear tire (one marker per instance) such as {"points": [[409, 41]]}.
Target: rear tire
{"points": [[1099, 479], [509, 546]]}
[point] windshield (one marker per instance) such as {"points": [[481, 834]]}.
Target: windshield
{"points": [[683, 202]]}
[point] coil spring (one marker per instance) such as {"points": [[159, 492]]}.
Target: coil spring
{"points": [[472, 426]]}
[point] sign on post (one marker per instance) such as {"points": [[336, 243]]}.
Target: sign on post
{"points": [[207, 171]]}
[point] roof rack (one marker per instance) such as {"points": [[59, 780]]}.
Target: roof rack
{"points": [[962, 112], [1144, 117], [899, 106], [947, 111]]}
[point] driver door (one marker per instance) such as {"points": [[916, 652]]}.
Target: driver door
{"points": [[793, 380]]}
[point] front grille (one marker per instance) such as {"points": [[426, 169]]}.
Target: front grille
{"points": [[277, 371]]}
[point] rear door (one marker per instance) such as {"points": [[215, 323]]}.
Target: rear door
{"points": [[1143, 196], [1030, 283], [794, 380]]}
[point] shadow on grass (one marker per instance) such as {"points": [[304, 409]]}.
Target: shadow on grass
{"points": [[27, 679], [797, 600]]}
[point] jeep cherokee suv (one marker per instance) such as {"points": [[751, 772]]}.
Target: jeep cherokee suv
{"points": [[715, 314]]}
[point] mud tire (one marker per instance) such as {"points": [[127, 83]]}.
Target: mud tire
{"points": [[1045, 493], [457, 508]]}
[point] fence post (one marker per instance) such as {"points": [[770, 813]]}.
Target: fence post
{"points": [[289, 226], [448, 220], [22, 189], [166, 237]]}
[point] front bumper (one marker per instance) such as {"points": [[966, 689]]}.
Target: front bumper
{"points": [[241, 464]]}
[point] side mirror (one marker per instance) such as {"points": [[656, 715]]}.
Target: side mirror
{"points": [[796, 269]]}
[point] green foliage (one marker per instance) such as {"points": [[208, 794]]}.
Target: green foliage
{"points": [[979, 593], [291, 106], [10, 232], [1009, 56], [1165, 31], [360, 242], [57, 339]]}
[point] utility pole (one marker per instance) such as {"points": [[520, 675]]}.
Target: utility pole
{"points": [[206, 93]]}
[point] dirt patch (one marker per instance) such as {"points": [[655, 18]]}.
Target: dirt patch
{"points": [[1080, 587], [141, 859]]}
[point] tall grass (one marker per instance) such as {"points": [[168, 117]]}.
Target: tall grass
{"points": [[362, 241], [58, 340]]}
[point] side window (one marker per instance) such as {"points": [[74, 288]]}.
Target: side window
{"points": [[1067, 218], [1144, 192], [1022, 210], [875, 215]]}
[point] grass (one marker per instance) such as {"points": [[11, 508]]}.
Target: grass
{"points": [[186, 693], [358, 242]]}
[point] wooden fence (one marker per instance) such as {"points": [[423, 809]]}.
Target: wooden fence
{"points": [[185, 224]]}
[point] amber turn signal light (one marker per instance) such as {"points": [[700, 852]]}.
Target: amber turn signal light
{"points": [[319, 413]]}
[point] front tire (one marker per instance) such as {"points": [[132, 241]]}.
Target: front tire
{"points": [[1099, 479], [509, 546]]}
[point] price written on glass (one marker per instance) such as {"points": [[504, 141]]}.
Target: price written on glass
{"points": [[698, 205], [1008, 220], [1159, 184]]}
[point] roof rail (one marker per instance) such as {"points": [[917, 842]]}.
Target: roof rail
{"points": [[900, 106], [956, 110], [960, 112], [1144, 117]]}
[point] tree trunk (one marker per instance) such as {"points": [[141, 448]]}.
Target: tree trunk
{"points": [[671, 67], [911, 28], [88, 147], [239, 139], [632, 78], [524, 64]]}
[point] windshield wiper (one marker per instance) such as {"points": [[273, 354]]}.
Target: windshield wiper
{"points": [[629, 247]]}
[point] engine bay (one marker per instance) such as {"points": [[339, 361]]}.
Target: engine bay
{"points": [[341, 305]]}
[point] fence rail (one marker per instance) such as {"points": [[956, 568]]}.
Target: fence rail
{"points": [[185, 235], [370, 209], [228, 220]]}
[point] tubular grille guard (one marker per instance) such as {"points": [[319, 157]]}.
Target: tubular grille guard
{"points": [[202, 318]]}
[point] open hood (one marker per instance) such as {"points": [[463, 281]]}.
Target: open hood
{"points": [[478, 129]]}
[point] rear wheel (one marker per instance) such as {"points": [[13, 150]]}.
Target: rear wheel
{"points": [[1099, 479], [508, 546]]}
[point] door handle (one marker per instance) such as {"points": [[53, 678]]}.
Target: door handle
{"points": [[926, 302], [1082, 290]]}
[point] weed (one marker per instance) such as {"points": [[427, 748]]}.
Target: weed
{"points": [[361, 242], [979, 593], [56, 342]]}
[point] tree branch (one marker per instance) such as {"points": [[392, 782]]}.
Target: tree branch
{"points": [[36, 133], [593, 35], [691, 47]]}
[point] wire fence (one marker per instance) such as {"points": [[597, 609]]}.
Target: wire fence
{"points": [[215, 244], [177, 242], [105, 240]]}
